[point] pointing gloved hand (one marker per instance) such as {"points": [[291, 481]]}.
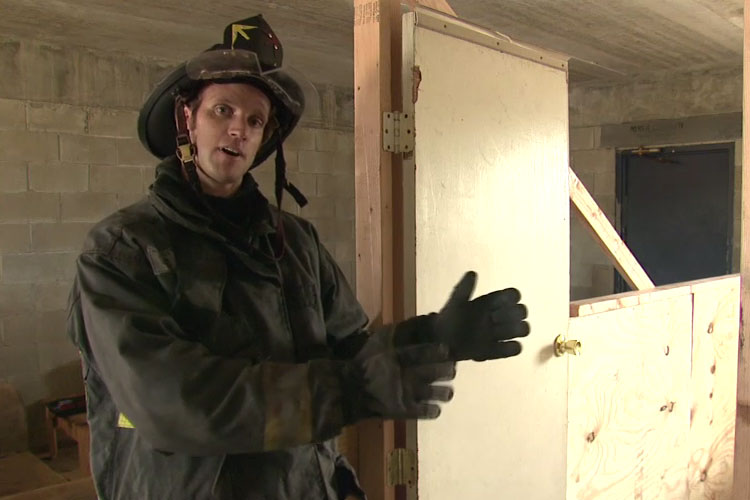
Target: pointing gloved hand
{"points": [[397, 383], [478, 329]]}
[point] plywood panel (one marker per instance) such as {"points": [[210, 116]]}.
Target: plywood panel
{"points": [[714, 387], [490, 194], [629, 402]]}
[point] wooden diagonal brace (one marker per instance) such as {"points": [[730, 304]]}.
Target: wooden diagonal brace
{"points": [[606, 236]]}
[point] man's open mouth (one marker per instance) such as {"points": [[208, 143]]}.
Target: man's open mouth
{"points": [[230, 151]]}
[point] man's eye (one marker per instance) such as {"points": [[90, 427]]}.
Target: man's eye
{"points": [[257, 122], [221, 109]]}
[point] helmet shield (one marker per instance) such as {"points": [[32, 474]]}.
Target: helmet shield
{"points": [[223, 64]]}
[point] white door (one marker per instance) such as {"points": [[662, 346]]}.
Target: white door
{"points": [[486, 189]]}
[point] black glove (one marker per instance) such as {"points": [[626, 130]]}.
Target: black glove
{"points": [[480, 329], [396, 383]]}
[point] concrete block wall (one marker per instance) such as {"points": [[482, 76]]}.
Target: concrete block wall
{"points": [[69, 156], [710, 96]]}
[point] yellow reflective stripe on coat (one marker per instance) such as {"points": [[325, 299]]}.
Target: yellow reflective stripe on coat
{"points": [[124, 422]]}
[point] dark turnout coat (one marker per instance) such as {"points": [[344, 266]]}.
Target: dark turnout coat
{"points": [[212, 370]]}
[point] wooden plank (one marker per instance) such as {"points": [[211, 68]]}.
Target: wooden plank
{"points": [[23, 471], [606, 236], [629, 402], [716, 319], [80, 489], [373, 187], [597, 305], [742, 436]]}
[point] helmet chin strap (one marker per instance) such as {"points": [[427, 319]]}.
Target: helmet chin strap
{"points": [[185, 148], [283, 184]]}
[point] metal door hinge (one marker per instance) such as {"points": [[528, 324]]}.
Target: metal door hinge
{"points": [[398, 132], [402, 467]]}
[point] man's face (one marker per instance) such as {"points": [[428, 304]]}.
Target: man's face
{"points": [[227, 128]]}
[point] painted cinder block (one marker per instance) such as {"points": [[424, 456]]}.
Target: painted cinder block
{"points": [[319, 208], [301, 139], [127, 199], [345, 208], [58, 236], [593, 160], [52, 117], [318, 162], [581, 138], [17, 298], [326, 229], [343, 163], [344, 251], [109, 179], [12, 114], [51, 296], [604, 182], [14, 238], [332, 140], [55, 177], [132, 85], [344, 230], [132, 152], [13, 177], [29, 207], [305, 182], [23, 145], [340, 184], [38, 268], [11, 84], [86, 207], [87, 149], [50, 73], [108, 122]]}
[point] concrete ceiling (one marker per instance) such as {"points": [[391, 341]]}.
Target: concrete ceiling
{"points": [[608, 39]]}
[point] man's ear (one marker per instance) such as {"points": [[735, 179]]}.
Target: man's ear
{"points": [[188, 119]]}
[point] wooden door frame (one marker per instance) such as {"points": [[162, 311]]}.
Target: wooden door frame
{"points": [[377, 89], [742, 430]]}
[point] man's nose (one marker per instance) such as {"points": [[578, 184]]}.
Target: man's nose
{"points": [[238, 128]]}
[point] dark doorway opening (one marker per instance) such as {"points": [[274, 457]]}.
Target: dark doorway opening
{"points": [[676, 211]]}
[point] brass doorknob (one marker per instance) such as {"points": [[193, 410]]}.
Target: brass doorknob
{"points": [[565, 346]]}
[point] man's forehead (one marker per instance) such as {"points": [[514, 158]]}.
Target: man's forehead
{"points": [[242, 91]]}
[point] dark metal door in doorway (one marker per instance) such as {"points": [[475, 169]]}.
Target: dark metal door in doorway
{"points": [[676, 211]]}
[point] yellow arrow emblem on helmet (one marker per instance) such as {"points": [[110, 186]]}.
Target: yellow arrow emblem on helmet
{"points": [[239, 29]]}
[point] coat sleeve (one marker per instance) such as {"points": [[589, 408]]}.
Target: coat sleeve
{"points": [[177, 394], [345, 319]]}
